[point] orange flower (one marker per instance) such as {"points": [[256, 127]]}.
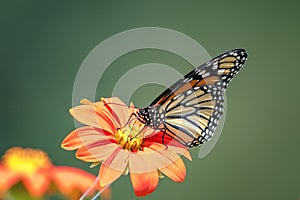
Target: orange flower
{"points": [[73, 182], [123, 144], [35, 171]]}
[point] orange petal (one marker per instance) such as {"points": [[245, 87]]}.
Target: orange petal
{"points": [[69, 178], [142, 162], [187, 155], [181, 151], [150, 160], [85, 114], [155, 142], [165, 151], [112, 168], [132, 109], [163, 138], [118, 109], [93, 116], [176, 171], [86, 101], [7, 178], [84, 136], [96, 152], [72, 141], [144, 183], [169, 162], [37, 183], [104, 111]]}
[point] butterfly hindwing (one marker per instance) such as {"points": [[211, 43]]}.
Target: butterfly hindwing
{"points": [[192, 118]]}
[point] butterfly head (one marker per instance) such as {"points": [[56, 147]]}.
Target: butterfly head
{"points": [[143, 115], [152, 116]]}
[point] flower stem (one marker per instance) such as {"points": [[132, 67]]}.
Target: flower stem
{"points": [[102, 190], [89, 189]]}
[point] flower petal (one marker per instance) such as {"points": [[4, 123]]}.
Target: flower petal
{"points": [[164, 151], [132, 109], [143, 162], [187, 155], [176, 171], [96, 152], [156, 157], [7, 178], [69, 178], [37, 183], [150, 160], [93, 116], [144, 183], [84, 136], [86, 101], [170, 144], [118, 109], [112, 168], [164, 139]]}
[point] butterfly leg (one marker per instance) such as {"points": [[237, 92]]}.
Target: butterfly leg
{"points": [[163, 137], [128, 123], [132, 122], [130, 118]]}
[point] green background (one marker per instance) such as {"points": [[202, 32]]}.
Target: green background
{"points": [[257, 156]]}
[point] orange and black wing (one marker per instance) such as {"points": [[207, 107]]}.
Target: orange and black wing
{"points": [[194, 104]]}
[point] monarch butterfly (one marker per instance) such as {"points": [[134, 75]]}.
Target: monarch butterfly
{"points": [[190, 109]]}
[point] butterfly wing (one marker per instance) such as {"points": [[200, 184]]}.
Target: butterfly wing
{"points": [[194, 104]]}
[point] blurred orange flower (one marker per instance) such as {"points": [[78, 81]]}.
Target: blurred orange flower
{"points": [[35, 171], [123, 144]]}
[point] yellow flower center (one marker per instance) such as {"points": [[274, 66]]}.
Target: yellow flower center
{"points": [[130, 137], [26, 161]]}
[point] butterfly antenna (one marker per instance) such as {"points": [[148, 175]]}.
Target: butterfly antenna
{"points": [[118, 104]]}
